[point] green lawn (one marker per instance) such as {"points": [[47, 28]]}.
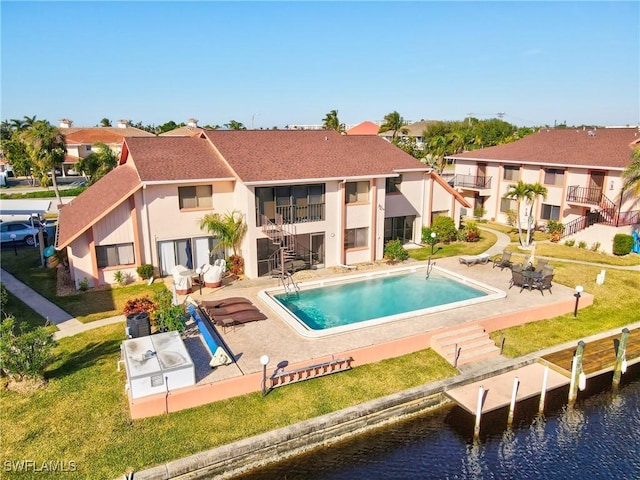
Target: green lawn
{"points": [[441, 250], [23, 313], [85, 306]]}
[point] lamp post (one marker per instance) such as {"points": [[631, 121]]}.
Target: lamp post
{"points": [[199, 273], [253, 118], [13, 239], [264, 360], [579, 290]]}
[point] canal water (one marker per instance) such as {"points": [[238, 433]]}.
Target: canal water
{"points": [[596, 438]]}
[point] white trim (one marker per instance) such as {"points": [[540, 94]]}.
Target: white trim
{"points": [[295, 181], [186, 181], [540, 164]]}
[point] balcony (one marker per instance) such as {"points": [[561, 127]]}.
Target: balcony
{"points": [[584, 196], [480, 183], [297, 214]]}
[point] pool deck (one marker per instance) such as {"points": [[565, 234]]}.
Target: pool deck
{"points": [[287, 349]]}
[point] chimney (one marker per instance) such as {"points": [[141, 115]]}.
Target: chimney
{"points": [[123, 123], [65, 123], [192, 122]]}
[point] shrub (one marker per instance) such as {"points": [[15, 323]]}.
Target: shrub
{"points": [[394, 250], [570, 243], [426, 234], [445, 228], [4, 296], [235, 264], [166, 315], [140, 304], [582, 244], [555, 229], [622, 244], [83, 284], [24, 354], [145, 271], [470, 232], [595, 247], [512, 217], [479, 211], [120, 278]]}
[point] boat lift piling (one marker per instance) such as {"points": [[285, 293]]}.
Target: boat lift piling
{"points": [[543, 392], [512, 406], [621, 358], [576, 372], [476, 428]]}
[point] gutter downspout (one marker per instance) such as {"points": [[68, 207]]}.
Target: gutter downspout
{"points": [[146, 212]]}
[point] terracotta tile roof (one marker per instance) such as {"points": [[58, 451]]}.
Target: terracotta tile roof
{"points": [[95, 202], [174, 158], [364, 128], [270, 155], [70, 158], [91, 135], [604, 147]]}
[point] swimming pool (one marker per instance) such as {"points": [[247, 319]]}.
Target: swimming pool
{"points": [[327, 307]]}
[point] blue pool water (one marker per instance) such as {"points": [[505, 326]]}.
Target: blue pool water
{"points": [[374, 298]]}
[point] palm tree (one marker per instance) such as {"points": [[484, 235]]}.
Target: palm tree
{"points": [[234, 125], [520, 192], [105, 122], [393, 121], [437, 149], [631, 174], [536, 190], [230, 229], [98, 163], [45, 145], [331, 122]]}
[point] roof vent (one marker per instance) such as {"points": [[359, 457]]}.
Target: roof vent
{"points": [[591, 133], [326, 138]]}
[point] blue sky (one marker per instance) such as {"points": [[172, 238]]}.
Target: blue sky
{"points": [[292, 62]]}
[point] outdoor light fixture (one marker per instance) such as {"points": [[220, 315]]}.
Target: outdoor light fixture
{"points": [[432, 241], [199, 273], [579, 290], [13, 239], [264, 360]]}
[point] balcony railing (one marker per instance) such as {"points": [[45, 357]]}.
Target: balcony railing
{"points": [[479, 182], [589, 196], [299, 214]]}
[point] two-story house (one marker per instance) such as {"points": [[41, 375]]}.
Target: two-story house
{"points": [[333, 199], [580, 168]]}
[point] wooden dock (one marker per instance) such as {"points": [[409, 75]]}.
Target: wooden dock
{"points": [[498, 389], [599, 357]]}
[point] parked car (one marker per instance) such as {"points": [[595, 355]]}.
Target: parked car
{"points": [[23, 233]]}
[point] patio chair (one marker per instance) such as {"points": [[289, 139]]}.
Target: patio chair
{"points": [[504, 261], [542, 263], [518, 279], [182, 279], [543, 284], [212, 275], [469, 260]]}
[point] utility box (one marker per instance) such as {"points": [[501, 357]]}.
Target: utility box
{"points": [[157, 364]]}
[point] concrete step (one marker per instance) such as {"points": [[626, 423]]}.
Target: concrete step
{"points": [[472, 341]]}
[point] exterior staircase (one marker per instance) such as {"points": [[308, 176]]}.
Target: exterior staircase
{"points": [[470, 342]]}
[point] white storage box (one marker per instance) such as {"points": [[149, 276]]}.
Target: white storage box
{"points": [[157, 364]]}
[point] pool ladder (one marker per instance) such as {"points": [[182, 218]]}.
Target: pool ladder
{"points": [[288, 283]]}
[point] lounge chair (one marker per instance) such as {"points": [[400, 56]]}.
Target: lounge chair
{"points": [[504, 261], [543, 284], [469, 260], [542, 264], [225, 302], [238, 318], [230, 309]]}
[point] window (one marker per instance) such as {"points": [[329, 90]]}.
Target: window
{"points": [[393, 184], [296, 203], [356, 237], [114, 255], [198, 196], [399, 228], [553, 176], [88, 148], [511, 173], [550, 212], [357, 192], [507, 204]]}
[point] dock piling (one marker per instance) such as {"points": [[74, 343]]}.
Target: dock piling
{"points": [[543, 393], [576, 370], [514, 393], [476, 428], [621, 357]]}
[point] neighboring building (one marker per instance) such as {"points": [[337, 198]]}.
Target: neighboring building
{"points": [[191, 129], [81, 140], [581, 169], [364, 128], [332, 199], [415, 130]]}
